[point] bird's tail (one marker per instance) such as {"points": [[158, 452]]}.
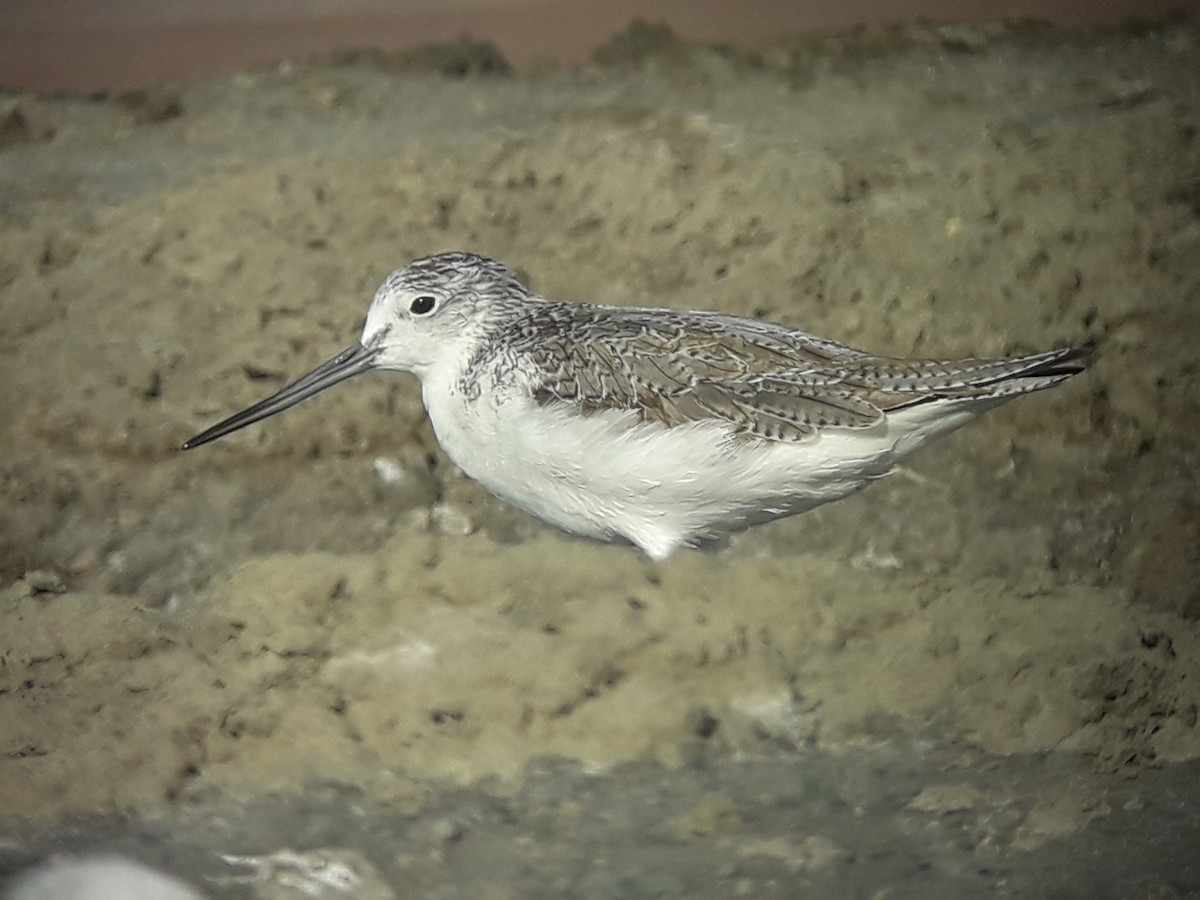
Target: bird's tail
{"points": [[911, 383], [1033, 373]]}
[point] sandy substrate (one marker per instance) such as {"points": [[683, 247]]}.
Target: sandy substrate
{"points": [[268, 644]]}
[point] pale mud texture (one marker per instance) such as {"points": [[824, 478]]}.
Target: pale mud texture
{"points": [[314, 658]]}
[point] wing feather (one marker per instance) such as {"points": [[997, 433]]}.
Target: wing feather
{"points": [[762, 379]]}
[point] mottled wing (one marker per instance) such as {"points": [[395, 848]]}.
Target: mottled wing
{"points": [[762, 379]]}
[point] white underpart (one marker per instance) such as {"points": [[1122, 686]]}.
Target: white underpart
{"points": [[606, 475]]}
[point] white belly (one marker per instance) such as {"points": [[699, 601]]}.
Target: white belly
{"points": [[607, 475]]}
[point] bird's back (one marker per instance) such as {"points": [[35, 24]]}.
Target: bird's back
{"points": [[763, 380]]}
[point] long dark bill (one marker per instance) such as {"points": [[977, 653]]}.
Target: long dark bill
{"points": [[352, 361]]}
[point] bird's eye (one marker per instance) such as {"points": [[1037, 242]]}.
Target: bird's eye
{"points": [[423, 305]]}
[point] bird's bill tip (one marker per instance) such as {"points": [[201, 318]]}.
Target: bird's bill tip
{"points": [[352, 361]]}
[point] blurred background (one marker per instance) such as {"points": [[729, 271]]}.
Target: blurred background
{"points": [[88, 45]]}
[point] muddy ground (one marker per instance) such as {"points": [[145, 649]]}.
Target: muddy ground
{"points": [[314, 660]]}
